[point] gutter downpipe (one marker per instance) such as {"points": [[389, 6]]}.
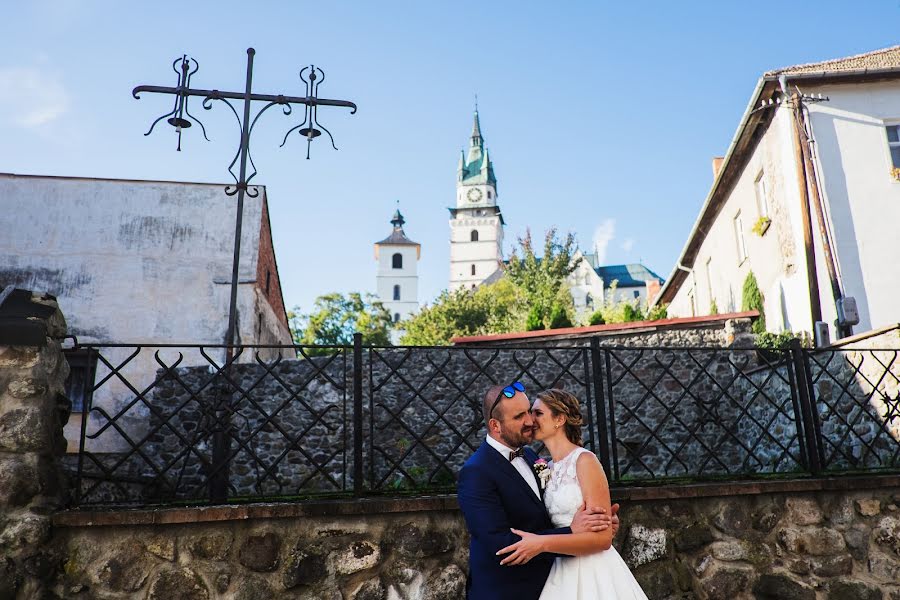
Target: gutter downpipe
{"points": [[815, 302]]}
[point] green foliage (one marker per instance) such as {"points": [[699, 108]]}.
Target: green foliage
{"points": [[558, 317], [534, 322], [335, 318], [597, 318], [752, 299], [631, 312], [658, 312], [495, 308], [713, 307], [542, 279], [781, 341], [761, 225]]}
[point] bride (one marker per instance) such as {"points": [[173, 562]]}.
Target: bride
{"points": [[593, 569]]}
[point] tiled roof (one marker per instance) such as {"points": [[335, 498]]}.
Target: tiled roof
{"points": [[632, 275], [877, 59]]}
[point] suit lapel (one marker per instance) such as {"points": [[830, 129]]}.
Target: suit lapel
{"points": [[504, 467]]}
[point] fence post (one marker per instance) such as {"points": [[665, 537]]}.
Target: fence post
{"points": [[601, 424], [807, 406], [357, 415]]}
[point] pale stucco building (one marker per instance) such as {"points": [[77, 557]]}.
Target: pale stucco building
{"points": [[815, 221], [140, 262]]}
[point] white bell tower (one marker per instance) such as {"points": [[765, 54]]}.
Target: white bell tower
{"points": [[397, 279], [476, 225]]}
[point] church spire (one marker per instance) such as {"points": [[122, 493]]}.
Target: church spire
{"points": [[477, 140]]}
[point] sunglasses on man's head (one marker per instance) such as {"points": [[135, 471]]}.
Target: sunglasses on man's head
{"points": [[509, 391]]}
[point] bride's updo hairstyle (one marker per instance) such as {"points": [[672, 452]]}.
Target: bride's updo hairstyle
{"points": [[561, 402]]}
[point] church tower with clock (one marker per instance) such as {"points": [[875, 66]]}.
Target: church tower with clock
{"points": [[476, 225]]}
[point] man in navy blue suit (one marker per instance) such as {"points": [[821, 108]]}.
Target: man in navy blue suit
{"points": [[498, 490]]}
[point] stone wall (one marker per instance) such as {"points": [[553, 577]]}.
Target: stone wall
{"points": [[33, 411], [835, 545]]}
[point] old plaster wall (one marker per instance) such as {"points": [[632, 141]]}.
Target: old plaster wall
{"points": [[806, 546]]}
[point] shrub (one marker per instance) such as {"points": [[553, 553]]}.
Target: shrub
{"points": [[534, 321], [597, 318], [752, 299], [713, 307], [559, 318]]}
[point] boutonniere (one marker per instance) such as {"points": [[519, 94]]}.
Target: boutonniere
{"points": [[542, 470]]}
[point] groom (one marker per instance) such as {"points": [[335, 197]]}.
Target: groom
{"points": [[498, 490]]}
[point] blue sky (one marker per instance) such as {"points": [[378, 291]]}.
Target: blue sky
{"points": [[601, 118]]}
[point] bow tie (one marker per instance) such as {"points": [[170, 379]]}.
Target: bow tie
{"points": [[520, 453]]}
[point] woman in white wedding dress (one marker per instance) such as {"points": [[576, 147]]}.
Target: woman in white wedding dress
{"points": [[593, 569]]}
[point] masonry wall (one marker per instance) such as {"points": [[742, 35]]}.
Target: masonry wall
{"points": [[836, 545]]}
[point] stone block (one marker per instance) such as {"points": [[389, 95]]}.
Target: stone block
{"points": [[729, 550], [725, 582], [857, 538], [887, 534], [26, 430], [776, 586], [19, 480], [656, 580], [450, 584], [26, 388], [884, 568], [816, 541], [645, 545], [126, 569], [213, 546], [254, 588], [413, 542], [371, 589], [182, 583], [260, 552], [692, 537], [29, 531], [852, 590], [868, 507], [832, 566], [358, 556], [305, 566], [803, 511], [162, 546]]}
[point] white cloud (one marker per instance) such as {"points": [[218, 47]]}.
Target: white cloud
{"points": [[628, 244], [603, 235], [30, 97]]}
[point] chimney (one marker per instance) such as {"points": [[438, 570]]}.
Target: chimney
{"points": [[717, 165], [653, 288]]}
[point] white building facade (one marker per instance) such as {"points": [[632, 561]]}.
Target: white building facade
{"points": [[814, 228], [476, 224], [397, 278], [141, 262]]}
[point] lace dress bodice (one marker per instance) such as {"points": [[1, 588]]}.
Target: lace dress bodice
{"points": [[563, 494]]}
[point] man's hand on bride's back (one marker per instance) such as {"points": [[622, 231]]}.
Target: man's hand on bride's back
{"points": [[596, 519]]}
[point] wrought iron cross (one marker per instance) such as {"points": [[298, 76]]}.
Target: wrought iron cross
{"points": [[181, 119]]}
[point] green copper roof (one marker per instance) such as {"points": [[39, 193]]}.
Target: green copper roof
{"points": [[477, 167]]}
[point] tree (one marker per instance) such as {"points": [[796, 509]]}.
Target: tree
{"points": [[558, 317], [752, 299], [494, 308], [335, 318], [541, 279], [597, 318], [534, 322]]}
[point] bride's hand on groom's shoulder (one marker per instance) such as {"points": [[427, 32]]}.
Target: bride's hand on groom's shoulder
{"points": [[594, 519]]}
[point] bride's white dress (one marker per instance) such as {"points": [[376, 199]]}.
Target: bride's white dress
{"points": [[600, 576]]}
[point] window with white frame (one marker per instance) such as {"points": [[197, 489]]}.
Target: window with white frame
{"points": [[893, 136], [762, 199], [692, 303], [709, 284], [739, 237]]}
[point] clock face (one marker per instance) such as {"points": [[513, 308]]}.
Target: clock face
{"points": [[474, 195]]}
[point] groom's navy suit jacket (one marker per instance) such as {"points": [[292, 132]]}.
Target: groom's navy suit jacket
{"points": [[494, 497]]}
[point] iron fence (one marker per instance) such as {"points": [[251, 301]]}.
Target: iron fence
{"points": [[189, 424]]}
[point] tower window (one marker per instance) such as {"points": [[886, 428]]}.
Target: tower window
{"points": [[268, 280], [396, 317], [588, 300], [397, 261], [489, 194], [473, 236], [473, 270], [396, 292]]}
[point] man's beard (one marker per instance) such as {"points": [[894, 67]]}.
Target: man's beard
{"points": [[518, 439]]}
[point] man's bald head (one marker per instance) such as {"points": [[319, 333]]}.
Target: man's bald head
{"points": [[487, 402]]}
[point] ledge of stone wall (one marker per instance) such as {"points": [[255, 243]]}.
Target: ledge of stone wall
{"points": [[376, 506]]}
